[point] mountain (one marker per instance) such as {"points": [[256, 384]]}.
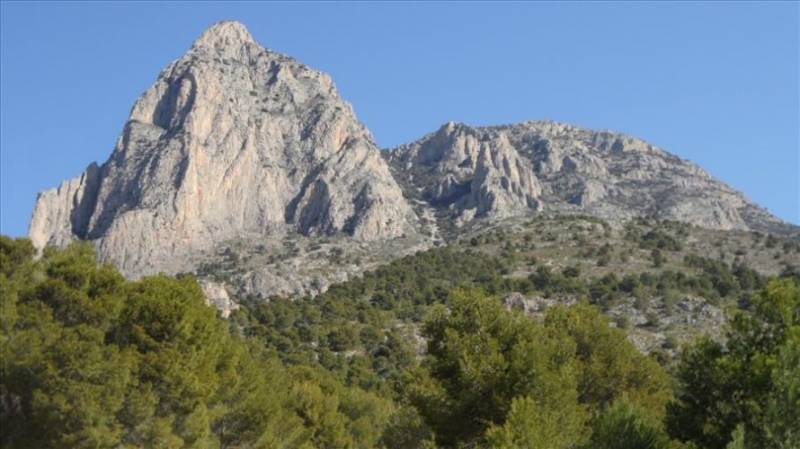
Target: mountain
{"points": [[232, 140], [460, 173], [246, 167]]}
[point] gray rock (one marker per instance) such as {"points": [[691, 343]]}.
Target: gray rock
{"points": [[501, 171], [232, 139], [217, 296]]}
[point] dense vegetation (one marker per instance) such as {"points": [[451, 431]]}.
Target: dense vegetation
{"points": [[376, 319], [419, 353], [91, 360], [750, 386]]}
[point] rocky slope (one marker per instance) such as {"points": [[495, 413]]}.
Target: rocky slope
{"points": [[232, 141], [463, 173], [247, 167]]}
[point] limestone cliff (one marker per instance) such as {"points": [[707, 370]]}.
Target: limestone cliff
{"points": [[232, 140], [465, 172]]}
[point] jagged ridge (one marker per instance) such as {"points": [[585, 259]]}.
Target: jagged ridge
{"points": [[464, 172]]}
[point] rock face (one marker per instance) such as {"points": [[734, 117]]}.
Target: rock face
{"points": [[458, 168], [246, 153], [464, 173], [232, 140]]}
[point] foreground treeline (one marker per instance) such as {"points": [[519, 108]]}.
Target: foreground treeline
{"points": [[91, 360]]}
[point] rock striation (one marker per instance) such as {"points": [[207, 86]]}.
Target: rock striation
{"points": [[464, 173], [232, 140]]}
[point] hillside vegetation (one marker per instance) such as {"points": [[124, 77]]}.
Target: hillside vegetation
{"points": [[423, 352]]}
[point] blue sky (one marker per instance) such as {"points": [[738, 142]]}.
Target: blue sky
{"points": [[716, 83]]}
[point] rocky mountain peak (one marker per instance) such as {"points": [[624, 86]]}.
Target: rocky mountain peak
{"points": [[227, 34], [232, 141], [463, 172]]}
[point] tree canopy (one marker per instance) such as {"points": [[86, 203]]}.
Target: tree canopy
{"points": [[421, 353]]}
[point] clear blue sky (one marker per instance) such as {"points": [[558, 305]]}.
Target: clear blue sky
{"points": [[716, 83]]}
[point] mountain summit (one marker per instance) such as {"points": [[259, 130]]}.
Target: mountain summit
{"points": [[463, 172], [234, 142], [225, 35]]}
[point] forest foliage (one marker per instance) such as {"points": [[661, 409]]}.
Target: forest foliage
{"points": [[420, 353]]}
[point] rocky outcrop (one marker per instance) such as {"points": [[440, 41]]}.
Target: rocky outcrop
{"points": [[471, 172], [61, 213], [458, 168], [231, 140], [217, 296]]}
